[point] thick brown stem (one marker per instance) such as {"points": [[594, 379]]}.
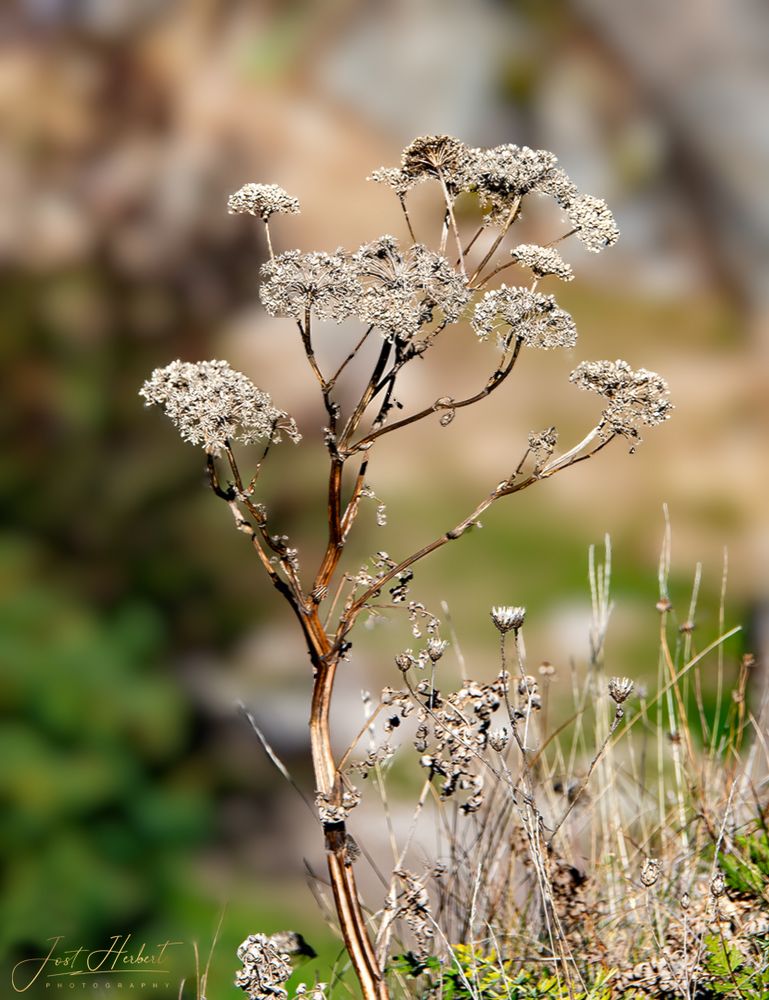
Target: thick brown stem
{"points": [[351, 919]]}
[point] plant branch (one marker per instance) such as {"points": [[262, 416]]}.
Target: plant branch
{"points": [[402, 201], [445, 403], [332, 381], [366, 396], [493, 249], [304, 330]]}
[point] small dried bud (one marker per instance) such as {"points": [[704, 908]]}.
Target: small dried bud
{"points": [[436, 649], [685, 901], [404, 662], [507, 617], [499, 739], [663, 605], [620, 689], [717, 885], [650, 872]]}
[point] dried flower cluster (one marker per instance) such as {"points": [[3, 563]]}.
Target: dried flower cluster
{"points": [[413, 906], [296, 283], [501, 176], [635, 397], [265, 969], [330, 812], [507, 617], [593, 222], [532, 317], [402, 289], [452, 733], [262, 200], [395, 178], [542, 261], [212, 405], [620, 689]]}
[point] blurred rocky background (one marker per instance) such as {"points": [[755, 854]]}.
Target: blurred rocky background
{"points": [[135, 798]]}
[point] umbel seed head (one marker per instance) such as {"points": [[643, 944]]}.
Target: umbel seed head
{"points": [[507, 618], [262, 200]]}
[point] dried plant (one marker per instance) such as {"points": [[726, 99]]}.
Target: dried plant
{"points": [[407, 294]]}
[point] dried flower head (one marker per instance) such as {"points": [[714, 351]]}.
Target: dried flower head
{"points": [[620, 689], [265, 969], [559, 186], [508, 617], [395, 178], [401, 290], [436, 648], [263, 200], [453, 731], [331, 812], [542, 261], [530, 316], [404, 662], [635, 397], [211, 404], [324, 283], [650, 872], [440, 156], [593, 221], [505, 173], [414, 908]]}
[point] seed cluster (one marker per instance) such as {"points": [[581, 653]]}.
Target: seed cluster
{"points": [[295, 283], [542, 261], [453, 731], [263, 200], [265, 969], [212, 404], [520, 313], [501, 176], [635, 397], [401, 290], [413, 906]]}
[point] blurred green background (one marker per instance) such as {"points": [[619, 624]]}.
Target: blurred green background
{"points": [[134, 797]]}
